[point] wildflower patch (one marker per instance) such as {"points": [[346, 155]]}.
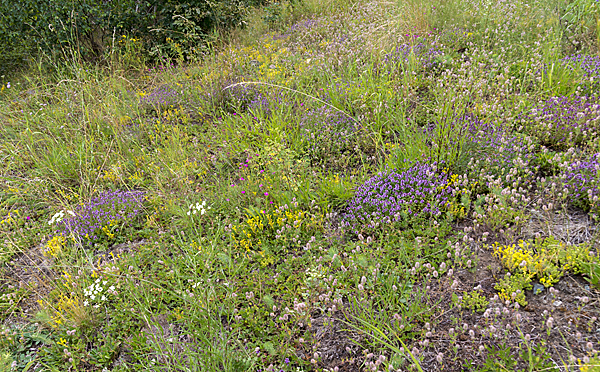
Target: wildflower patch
{"points": [[543, 260], [422, 190], [101, 218]]}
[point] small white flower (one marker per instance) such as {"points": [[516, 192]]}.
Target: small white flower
{"points": [[103, 298], [112, 288], [85, 303], [92, 297]]}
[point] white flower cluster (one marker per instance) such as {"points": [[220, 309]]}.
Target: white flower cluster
{"points": [[198, 208], [59, 216], [94, 293]]}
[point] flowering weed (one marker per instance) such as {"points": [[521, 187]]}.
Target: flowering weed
{"points": [[102, 217], [421, 190]]}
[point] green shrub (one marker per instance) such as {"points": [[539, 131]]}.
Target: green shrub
{"points": [[87, 29]]}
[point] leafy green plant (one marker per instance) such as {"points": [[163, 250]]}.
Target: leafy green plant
{"points": [[20, 345], [512, 287], [473, 300], [537, 357], [499, 358], [592, 272], [87, 29]]}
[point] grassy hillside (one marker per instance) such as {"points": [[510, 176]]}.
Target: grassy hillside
{"points": [[344, 186]]}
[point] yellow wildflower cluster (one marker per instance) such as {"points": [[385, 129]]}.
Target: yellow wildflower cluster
{"points": [[593, 365], [545, 260], [9, 220], [65, 195], [196, 246], [65, 309], [55, 246], [175, 115], [18, 190], [456, 208], [270, 58], [531, 262], [390, 147], [113, 174], [125, 39], [109, 228], [142, 168], [265, 224]]}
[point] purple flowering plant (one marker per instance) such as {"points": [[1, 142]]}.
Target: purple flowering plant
{"points": [[469, 145], [589, 68], [562, 122], [420, 56], [423, 190], [492, 150], [102, 217], [253, 98], [163, 96], [581, 179], [325, 131]]}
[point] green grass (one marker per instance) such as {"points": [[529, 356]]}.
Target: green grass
{"points": [[248, 250]]}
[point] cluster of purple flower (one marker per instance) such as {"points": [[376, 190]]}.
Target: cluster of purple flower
{"points": [[338, 92], [422, 190], [251, 97], [326, 131], [164, 96], [494, 150], [589, 66], [561, 122], [300, 28], [304, 25], [108, 208], [582, 179], [424, 56], [478, 148]]}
